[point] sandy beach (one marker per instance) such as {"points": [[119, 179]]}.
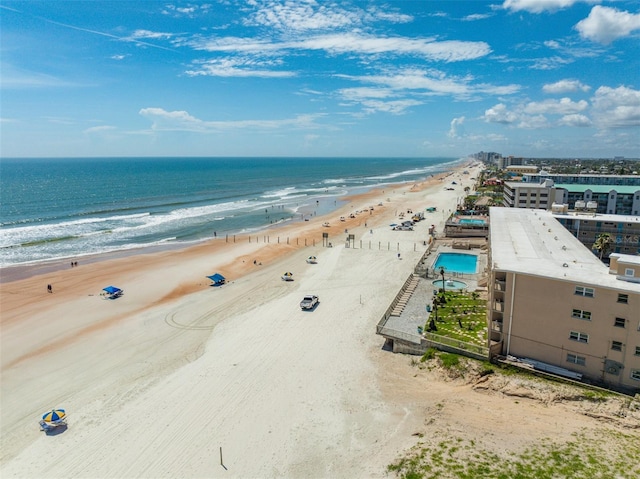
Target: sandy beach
{"points": [[176, 376]]}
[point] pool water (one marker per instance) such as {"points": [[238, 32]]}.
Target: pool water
{"points": [[456, 263], [471, 221], [450, 284]]}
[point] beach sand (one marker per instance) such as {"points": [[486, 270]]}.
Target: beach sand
{"points": [[176, 376]]}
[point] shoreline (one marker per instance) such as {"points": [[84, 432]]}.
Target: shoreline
{"points": [[12, 273]]}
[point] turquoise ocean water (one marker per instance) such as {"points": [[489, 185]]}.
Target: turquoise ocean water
{"points": [[52, 209]]}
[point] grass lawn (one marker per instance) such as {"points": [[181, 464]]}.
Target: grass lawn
{"points": [[462, 317]]}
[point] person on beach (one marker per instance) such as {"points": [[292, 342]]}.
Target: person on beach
{"points": [[50, 288]]}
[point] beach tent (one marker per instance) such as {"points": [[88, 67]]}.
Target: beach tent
{"points": [[113, 292], [218, 279]]}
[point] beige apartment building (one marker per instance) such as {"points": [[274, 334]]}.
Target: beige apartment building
{"points": [[551, 300]]}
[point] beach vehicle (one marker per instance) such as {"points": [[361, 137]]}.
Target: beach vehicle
{"points": [[288, 276], [312, 260], [325, 224], [53, 419], [342, 218], [309, 301], [111, 292]]}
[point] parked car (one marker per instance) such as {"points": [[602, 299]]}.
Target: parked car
{"points": [[309, 301]]}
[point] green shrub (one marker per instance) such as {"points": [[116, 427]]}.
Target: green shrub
{"points": [[429, 354], [449, 360]]}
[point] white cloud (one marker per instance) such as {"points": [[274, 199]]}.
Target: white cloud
{"points": [[604, 24], [455, 125], [574, 119], [307, 15], [539, 6], [476, 16], [500, 114], [616, 107], [550, 63], [535, 122], [447, 51], [434, 82], [190, 10], [565, 86], [163, 120], [237, 68], [564, 106], [99, 129], [395, 107], [148, 34]]}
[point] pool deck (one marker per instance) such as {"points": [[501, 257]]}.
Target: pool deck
{"points": [[415, 313]]}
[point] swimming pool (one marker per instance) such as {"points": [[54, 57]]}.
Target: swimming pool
{"points": [[456, 263], [472, 221], [450, 284]]}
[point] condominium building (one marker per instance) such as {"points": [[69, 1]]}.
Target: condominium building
{"points": [[582, 179], [529, 195], [553, 301], [613, 200], [624, 229], [603, 199], [522, 169]]}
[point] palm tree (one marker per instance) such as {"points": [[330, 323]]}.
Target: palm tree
{"points": [[603, 244], [442, 274]]}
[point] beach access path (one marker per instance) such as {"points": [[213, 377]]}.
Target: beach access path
{"points": [[165, 380]]}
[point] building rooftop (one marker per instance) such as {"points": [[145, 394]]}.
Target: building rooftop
{"points": [[533, 242], [585, 216], [521, 184]]}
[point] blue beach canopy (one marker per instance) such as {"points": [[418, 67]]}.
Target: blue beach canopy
{"points": [[217, 278], [111, 289]]}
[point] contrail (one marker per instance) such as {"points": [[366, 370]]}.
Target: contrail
{"points": [[95, 32]]}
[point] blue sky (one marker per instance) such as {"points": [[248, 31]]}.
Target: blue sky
{"points": [[533, 78]]}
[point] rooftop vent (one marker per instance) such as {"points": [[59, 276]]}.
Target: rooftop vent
{"points": [[565, 265]]}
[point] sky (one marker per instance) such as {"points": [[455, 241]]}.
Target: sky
{"points": [[304, 78]]}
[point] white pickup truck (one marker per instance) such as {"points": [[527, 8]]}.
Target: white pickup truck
{"points": [[309, 301]]}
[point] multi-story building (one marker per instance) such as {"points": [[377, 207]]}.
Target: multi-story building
{"points": [[603, 199], [521, 169], [529, 195], [582, 179], [553, 301], [624, 229], [613, 200]]}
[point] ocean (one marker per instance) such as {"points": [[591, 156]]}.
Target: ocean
{"points": [[54, 209]]}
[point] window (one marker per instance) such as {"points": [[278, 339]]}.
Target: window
{"points": [[637, 350], [635, 374], [623, 298], [616, 346], [580, 337], [582, 291], [619, 322], [579, 314], [574, 359]]}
